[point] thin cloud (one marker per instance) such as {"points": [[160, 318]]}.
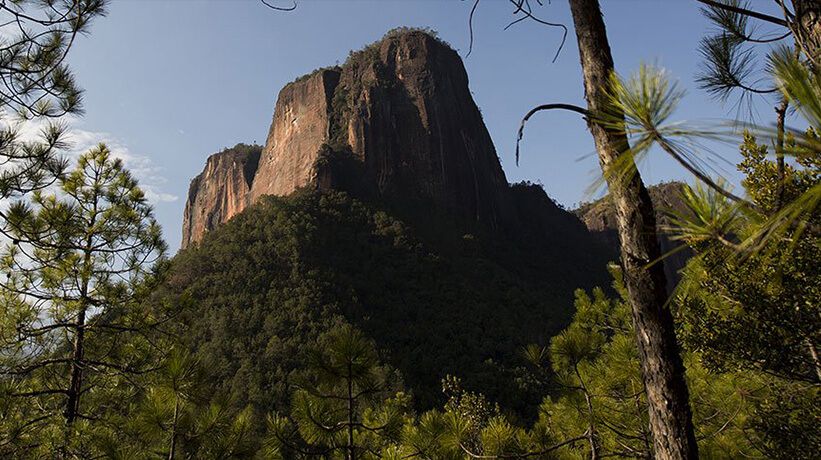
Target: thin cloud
{"points": [[150, 176]]}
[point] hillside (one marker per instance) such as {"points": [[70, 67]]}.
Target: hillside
{"points": [[377, 200], [256, 292]]}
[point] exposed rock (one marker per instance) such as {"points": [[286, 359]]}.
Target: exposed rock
{"points": [[301, 124], [220, 191], [396, 123], [600, 219], [404, 107]]}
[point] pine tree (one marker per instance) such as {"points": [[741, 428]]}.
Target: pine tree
{"points": [[35, 38], [177, 417], [342, 408], [72, 340]]}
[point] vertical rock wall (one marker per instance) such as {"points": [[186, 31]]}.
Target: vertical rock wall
{"points": [[400, 110], [301, 124], [220, 191], [406, 108]]}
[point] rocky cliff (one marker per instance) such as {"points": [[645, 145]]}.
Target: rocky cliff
{"points": [[220, 192], [301, 125], [396, 122], [600, 219]]}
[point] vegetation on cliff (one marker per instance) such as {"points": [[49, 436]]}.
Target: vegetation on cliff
{"points": [[260, 289]]}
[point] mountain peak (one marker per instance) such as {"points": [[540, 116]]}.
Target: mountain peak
{"points": [[396, 122]]}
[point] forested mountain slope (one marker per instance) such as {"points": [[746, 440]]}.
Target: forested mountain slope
{"points": [[259, 290]]}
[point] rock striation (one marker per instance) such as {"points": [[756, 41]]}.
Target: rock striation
{"points": [[396, 122], [220, 192], [301, 125]]}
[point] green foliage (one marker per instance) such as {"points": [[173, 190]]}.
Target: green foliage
{"points": [[34, 41], [473, 411], [760, 311], [34, 45], [72, 316], [342, 407], [596, 363], [599, 402], [176, 416], [257, 291]]}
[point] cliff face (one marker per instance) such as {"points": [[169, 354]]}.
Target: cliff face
{"points": [[220, 191], [404, 107], [301, 124], [600, 219], [396, 122]]}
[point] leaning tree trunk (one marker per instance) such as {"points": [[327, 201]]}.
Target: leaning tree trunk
{"points": [[662, 368]]}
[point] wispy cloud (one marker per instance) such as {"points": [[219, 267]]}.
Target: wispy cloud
{"points": [[150, 176]]}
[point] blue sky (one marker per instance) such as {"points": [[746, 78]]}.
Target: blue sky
{"points": [[170, 82]]}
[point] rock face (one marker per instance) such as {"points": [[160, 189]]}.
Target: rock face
{"points": [[220, 192], [406, 112], [600, 219], [301, 124], [395, 123]]}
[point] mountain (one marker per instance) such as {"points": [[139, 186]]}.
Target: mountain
{"points": [[378, 200], [396, 122], [600, 219]]}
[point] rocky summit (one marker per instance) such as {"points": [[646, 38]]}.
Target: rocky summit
{"points": [[396, 122]]}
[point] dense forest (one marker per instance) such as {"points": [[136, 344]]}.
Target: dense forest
{"points": [[332, 323]]}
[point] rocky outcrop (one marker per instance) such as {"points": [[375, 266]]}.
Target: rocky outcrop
{"points": [[396, 122], [220, 191], [301, 124], [600, 219], [404, 107]]}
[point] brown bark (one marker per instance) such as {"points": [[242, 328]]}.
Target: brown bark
{"points": [[172, 451], [350, 448], [816, 361], [75, 388], [807, 29], [781, 113], [76, 385], [662, 368], [591, 428]]}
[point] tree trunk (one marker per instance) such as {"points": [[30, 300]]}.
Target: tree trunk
{"points": [[172, 450], [807, 29], [351, 448], [816, 361], [76, 385], [662, 368]]}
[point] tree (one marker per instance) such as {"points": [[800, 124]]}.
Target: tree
{"points": [[341, 409], [662, 368], [36, 84], [759, 311], [177, 416], [609, 120], [731, 63], [596, 365], [72, 317]]}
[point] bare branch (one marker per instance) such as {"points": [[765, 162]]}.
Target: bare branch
{"points": [[744, 11], [279, 8], [470, 26], [571, 107]]}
